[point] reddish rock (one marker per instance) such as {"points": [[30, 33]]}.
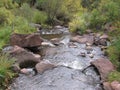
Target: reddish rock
{"points": [[26, 71], [104, 67], [83, 39], [23, 55], [43, 66], [107, 86], [25, 40], [115, 85], [104, 36]]}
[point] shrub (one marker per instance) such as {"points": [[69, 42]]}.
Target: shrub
{"points": [[39, 17], [7, 4], [5, 72], [114, 53], [5, 33], [24, 11], [21, 25], [78, 24], [6, 17]]}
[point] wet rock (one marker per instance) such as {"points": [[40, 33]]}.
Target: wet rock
{"points": [[88, 31], [98, 41], [88, 44], [23, 56], [88, 48], [55, 41], [107, 86], [26, 71], [72, 45], [115, 85], [47, 44], [103, 42], [83, 39], [26, 40], [58, 27], [104, 36], [83, 54], [103, 48], [104, 67], [91, 55], [16, 68], [43, 66]]}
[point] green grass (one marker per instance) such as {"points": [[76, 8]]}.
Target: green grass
{"points": [[5, 72], [5, 32], [114, 76]]}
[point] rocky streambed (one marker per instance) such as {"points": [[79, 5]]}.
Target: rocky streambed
{"points": [[67, 64]]}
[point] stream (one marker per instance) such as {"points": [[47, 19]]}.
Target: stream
{"points": [[73, 71]]}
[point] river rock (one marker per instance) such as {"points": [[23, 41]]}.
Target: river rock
{"points": [[104, 67], [107, 86], [104, 36], [23, 56], [115, 85], [83, 39], [26, 71], [55, 41], [26, 40], [88, 31], [43, 66]]}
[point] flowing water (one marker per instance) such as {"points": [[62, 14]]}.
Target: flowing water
{"points": [[73, 72]]}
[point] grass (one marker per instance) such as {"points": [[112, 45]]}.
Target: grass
{"points": [[114, 76], [6, 73]]}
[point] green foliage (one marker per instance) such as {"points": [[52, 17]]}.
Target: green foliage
{"points": [[114, 76], [114, 53], [90, 4], [24, 11], [7, 4], [77, 25], [6, 17], [5, 72], [97, 20], [39, 17], [21, 25], [5, 33]]}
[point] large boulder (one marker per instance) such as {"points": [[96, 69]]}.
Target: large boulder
{"points": [[24, 58], [104, 66], [43, 66], [26, 40]]}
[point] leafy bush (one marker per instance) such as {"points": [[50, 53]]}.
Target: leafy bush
{"points": [[5, 33], [78, 24], [114, 53], [39, 17], [21, 25], [8, 4], [97, 20], [5, 72], [108, 11], [6, 17]]}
